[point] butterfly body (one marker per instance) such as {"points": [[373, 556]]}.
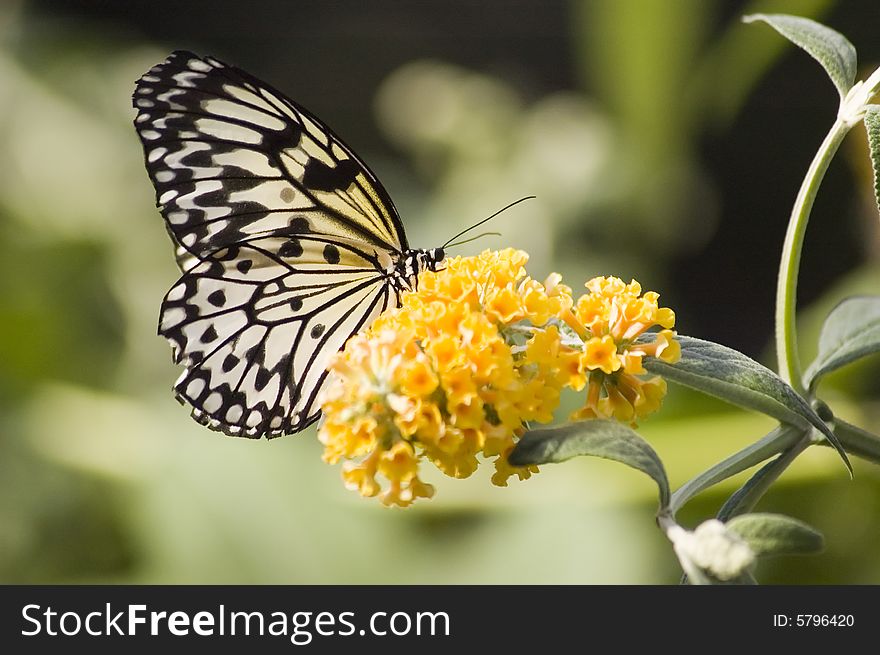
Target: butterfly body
{"points": [[287, 242]]}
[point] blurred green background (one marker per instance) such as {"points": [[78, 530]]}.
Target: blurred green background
{"points": [[665, 141]]}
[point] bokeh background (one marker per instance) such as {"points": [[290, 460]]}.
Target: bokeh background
{"points": [[665, 141]]}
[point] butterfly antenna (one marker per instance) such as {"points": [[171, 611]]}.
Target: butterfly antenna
{"points": [[476, 225], [479, 236]]}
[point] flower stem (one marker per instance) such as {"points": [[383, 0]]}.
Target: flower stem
{"points": [[786, 288], [857, 441]]}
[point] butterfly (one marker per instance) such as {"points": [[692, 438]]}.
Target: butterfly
{"points": [[287, 242]]}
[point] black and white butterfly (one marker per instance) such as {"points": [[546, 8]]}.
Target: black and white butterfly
{"points": [[287, 242]]}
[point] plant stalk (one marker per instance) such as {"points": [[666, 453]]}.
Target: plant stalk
{"points": [[786, 288]]}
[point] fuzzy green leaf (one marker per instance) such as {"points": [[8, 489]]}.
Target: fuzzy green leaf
{"points": [[595, 438], [851, 331], [872, 126], [747, 496], [830, 48], [775, 534], [728, 374]]}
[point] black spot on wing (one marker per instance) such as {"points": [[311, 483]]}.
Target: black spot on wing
{"points": [[321, 177], [317, 330], [298, 225], [209, 335], [292, 248], [215, 269], [331, 254], [278, 140], [217, 298], [262, 379], [229, 363]]}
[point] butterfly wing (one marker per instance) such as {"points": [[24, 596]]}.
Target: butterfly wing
{"points": [[231, 158], [285, 237], [254, 332]]}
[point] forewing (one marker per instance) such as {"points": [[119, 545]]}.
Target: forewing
{"points": [[232, 159]]}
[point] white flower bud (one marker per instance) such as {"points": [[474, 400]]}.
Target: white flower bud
{"points": [[712, 549]]}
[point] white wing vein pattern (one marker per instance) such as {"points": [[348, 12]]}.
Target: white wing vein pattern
{"points": [[286, 240]]}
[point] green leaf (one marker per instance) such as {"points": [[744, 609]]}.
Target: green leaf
{"points": [[747, 496], [830, 48], [776, 534], [595, 438], [781, 438], [872, 126], [851, 331], [728, 374]]}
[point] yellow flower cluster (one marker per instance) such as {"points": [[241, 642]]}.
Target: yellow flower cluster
{"points": [[466, 361], [607, 322]]}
